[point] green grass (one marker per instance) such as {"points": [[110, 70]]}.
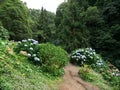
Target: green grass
{"points": [[17, 73], [89, 75]]}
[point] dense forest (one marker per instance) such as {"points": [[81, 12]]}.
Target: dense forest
{"points": [[76, 24]]}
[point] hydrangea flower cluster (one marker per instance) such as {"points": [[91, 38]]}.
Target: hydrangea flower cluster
{"points": [[28, 45], [87, 55]]}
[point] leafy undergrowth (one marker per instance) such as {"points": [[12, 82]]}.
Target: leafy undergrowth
{"points": [[17, 73], [89, 75]]}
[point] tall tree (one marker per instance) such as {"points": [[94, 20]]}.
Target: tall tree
{"points": [[15, 18], [43, 24], [70, 25]]}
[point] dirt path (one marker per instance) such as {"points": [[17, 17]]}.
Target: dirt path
{"points": [[71, 81]]}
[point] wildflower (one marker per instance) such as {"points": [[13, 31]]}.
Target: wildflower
{"points": [[31, 48], [36, 59]]}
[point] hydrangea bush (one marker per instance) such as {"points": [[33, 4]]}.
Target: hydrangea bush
{"points": [[28, 46], [51, 58], [87, 55]]}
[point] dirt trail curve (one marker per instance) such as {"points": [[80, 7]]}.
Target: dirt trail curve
{"points": [[71, 81]]}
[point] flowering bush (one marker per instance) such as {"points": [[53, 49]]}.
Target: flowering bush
{"points": [[29, 47], [87, 55], [49, 57]]}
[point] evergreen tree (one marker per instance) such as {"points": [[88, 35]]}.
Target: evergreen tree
{"points": [[71, 27], [43, 25]]}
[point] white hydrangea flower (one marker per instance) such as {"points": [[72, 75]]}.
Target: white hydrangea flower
{"points": [[35, 42], [31, 48], [24, 40], [29, 55], [36, 59], [31, 43], [25, 45], [34, 55], [29, 39]]}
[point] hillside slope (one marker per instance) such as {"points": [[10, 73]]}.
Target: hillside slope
{"points": [[17, 73]]}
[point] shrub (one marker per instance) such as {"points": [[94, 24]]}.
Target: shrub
{"points": [[29, 47], [87, 55], [52, 58], [49, 57], [3, 33], [89, 75]]}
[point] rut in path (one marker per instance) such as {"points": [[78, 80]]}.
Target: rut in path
{"points": [[71, 81]]}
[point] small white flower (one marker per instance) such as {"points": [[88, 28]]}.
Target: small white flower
{"points": [[31, 48], [25, 45], [24, 40], [29, 39], [29, 55], [83, 56], [31, 43], [34, 55], [35, 42], [84, 59], [36, 59], [90, 48], [94, 53], [113, 74]]}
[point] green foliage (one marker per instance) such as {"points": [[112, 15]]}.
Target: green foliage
{"points": [[89, 75], [43, 25], [3, 33], [17, 73], [106, 80], [92, 17], [109, 74], [53, 58], [71, 29], [15, 18]]}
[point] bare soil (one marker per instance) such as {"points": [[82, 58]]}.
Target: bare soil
{"points": [[71, 81]]}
